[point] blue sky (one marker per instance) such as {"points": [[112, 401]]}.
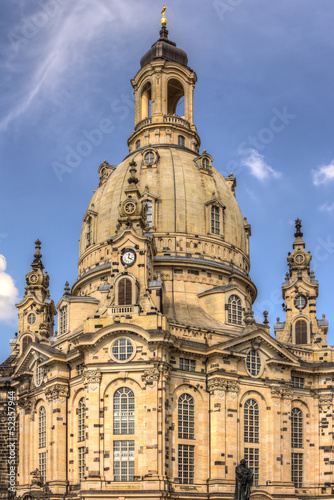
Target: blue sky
{"points": [[66, 69]]}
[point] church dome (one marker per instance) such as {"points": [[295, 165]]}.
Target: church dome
{"points": [[165, 49], [182, 189]]}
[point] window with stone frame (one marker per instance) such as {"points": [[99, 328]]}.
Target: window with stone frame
{"points": [[252, 457], [215, 219], [42, 427], [125, 292], [186, 417], [181, 140], [234, 310], [89, 236], [148, 210], [251, 421], [42, 466], [301, 331], [82, 462], [298, 381], [81, 420], [186, 463], [124, 411], [26, 340], [296, 447], [124, 460], [187, 364], [63, 319]]}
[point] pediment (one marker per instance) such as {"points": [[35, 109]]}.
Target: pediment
{"points": [[258, 339], [37, 352]]}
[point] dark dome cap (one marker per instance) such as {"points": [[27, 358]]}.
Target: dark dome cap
{"points": [[165, 49]]}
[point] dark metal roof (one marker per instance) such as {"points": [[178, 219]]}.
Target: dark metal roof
{"points": [[164, 49]]}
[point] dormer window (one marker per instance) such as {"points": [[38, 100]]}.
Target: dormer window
{"points": [[234, 310], [215, 219], [148, 212], [89, 231], [125, 292], [206, 163], [25, 342], [301, 331], [31, 319]]}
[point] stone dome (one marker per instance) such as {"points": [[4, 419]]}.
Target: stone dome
{"points": [[164, 48], [182, 189]]}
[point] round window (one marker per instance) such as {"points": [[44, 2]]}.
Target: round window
{"points": [[300, 302], [31, 319], [122, 350], [149, 158], [253, 363]]}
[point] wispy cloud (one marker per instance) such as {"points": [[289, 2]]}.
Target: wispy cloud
{"points": [[324, 174], [258, 166], [9, 295], [326, 207], [59, 53]]}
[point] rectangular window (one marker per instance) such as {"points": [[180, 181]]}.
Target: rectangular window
{"points": [[297, 469], [82, 451], [124, 460], [80, 369], [298, 382], [186, 463], [63, 320], [215, 222], [188, 365], [251, 456], [42, 466]]}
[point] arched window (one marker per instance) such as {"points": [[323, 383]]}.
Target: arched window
{"points": [[63, 320], [186, 417], [125, 292], [296, 428], [81, 420], [146, 101], [251, 421], [301, 331], [138, 144], [175, 93], [297, 445], [25, 342], [181, 140], [124, 411], [251, 435], [234, 310], [42, 427], [253, 363]]}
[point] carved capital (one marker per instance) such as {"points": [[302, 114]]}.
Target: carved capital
{"points": [[233, 389], [91, 378], [26, 403], [286, 393], [325, 399], [57, 392], [150, 376], [217, 385]]}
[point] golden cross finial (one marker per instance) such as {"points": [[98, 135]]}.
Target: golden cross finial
{"points": [[163, 19]]}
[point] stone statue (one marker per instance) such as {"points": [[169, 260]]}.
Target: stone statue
{"points": [[36, 479], [243, 481]]}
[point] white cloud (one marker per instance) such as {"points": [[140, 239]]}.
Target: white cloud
{"points": [[258, 166], [326, 207], [9, 295], [324, 174]]}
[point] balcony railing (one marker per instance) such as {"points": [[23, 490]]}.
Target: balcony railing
{"points": [[279, 326], [169, 119]]}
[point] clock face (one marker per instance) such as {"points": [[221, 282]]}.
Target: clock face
{"points": [[129, 207], [299, 258], [33, 278], [128, 258]]}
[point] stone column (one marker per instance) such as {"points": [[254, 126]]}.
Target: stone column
{"points": [[92, 379], [151, 441], [217, 388], [325, 439], [57, 466], [232, 437]]}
